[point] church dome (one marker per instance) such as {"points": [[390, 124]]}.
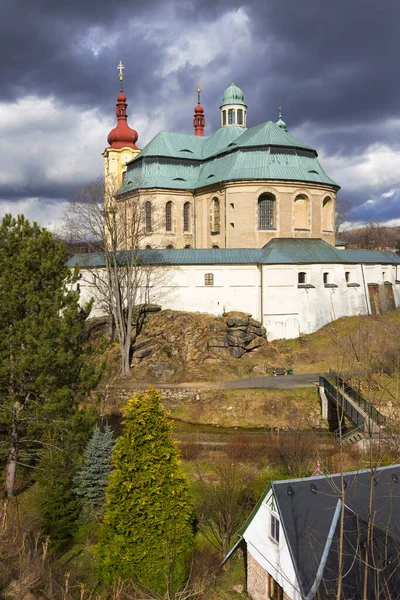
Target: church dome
{"points": [[233, 95]]}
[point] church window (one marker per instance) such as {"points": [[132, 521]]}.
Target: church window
{"points": [[266, 212], [215, 247], [347, 276], [168, 216], [186, 216], [148, 247], [240, 116], [231, 116], [224, 117], [147, 209], [188, 247], [301, 278], [301, 212], [215, 216], [327, 214], [209, 279], [170, 247], [326, 278]]}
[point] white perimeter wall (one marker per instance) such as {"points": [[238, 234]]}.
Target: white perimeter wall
{"points": [[270, 293], [183, 288], [274, 558], [290, 310]]}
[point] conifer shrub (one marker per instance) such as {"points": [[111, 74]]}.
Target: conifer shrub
{"points": [[148, 521], [92, 479]]}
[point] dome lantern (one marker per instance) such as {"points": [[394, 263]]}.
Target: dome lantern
{"points": [[233, 108]]}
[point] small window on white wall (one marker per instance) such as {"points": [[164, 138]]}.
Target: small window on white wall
{"points": [[301, 277], [326, 278], [274, 529], [209, 279], [347, 276]]}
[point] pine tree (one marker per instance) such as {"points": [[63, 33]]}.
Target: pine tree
{"points": [[42, 365], [92, 479], [59, 507], [148, 520]]}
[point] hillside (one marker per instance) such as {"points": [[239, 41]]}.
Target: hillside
{"points": [[178, 347]]}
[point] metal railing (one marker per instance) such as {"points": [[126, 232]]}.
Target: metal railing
{"points": [[337, 397], [366, 406]]}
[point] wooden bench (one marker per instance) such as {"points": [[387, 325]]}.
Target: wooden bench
{"points": [[279, 371]]}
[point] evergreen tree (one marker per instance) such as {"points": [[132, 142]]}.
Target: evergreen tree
{"points": [[42, 365], [59, 507], [148, 520], [92, 479]]}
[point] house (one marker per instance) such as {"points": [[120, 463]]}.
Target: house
{"points": [[304, 532]]}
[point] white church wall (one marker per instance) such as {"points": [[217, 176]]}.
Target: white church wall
{"points": [[184, 288], [290, 309], [271, 294], [273, 557]]}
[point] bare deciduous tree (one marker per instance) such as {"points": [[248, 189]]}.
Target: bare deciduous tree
{"points": [[114, 232]]}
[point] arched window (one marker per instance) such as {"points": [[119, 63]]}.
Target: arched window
{"points": [[186, 216], [209, 279], [301, 277], [240, 116], [147, 210], [266, 212], [168, 216], [326, 278], [301, 212], [215, 216], [327, 214], [170, 247], [215, 247], [231, 116], [148, 247], [347, 276], [224, 117], [188, 247]]}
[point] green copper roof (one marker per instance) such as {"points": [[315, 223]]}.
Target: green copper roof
{"points": [[278, 251], [188, 162], [268, 134], [233, 95]]}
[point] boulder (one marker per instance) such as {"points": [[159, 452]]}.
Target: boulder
{"points": [[236, 352], [256, 343], [143, 352]]}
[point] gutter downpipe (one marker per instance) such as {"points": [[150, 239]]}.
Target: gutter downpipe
{"points": [[261, 294], [225, 214], [365, 291], [194, 221]]}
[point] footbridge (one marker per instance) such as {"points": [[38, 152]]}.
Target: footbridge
{"points": [[339, 399]]}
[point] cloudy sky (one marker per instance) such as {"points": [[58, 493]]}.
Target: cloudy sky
{"points": [[333, 63]]}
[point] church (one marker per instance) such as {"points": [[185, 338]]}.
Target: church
{"points": [[243, 219]]}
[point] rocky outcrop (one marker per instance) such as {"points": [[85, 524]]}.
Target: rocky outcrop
{"points": [[242, 334]]}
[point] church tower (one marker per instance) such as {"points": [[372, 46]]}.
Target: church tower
{"points": [[122, 143]]}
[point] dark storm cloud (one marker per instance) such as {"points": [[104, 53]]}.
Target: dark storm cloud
{"points": [[333, 65]]}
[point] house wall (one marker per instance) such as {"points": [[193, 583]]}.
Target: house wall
{"points": [[265, 556]]}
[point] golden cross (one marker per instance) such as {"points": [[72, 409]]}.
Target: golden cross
{"points": [[121, 68]]}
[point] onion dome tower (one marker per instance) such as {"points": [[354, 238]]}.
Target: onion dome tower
{"points": [[280, 122], [122, 143], [233, 109], [199, 120]]}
